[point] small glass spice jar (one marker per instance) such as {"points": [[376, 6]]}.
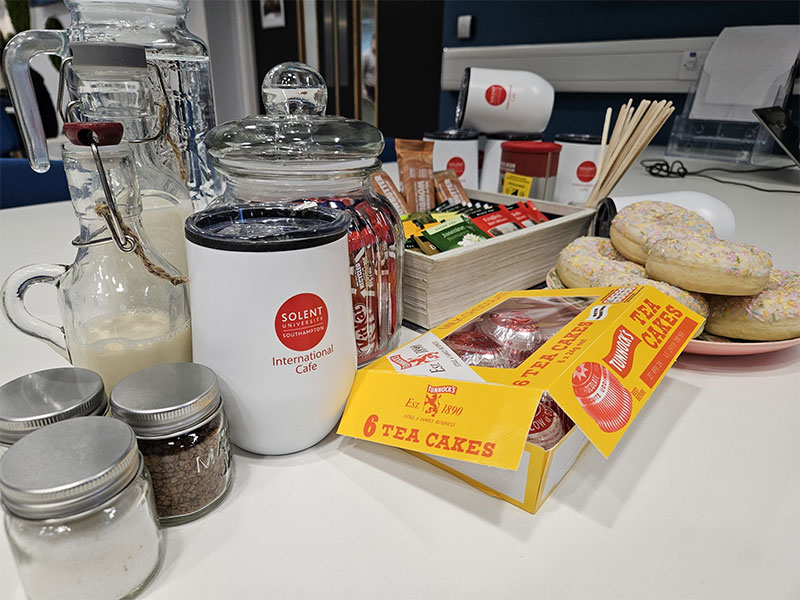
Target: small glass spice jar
{"points": [[32, 401], [176, 411], [79, 511]]}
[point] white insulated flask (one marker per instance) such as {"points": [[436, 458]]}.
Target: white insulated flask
{"points": [[272, 316]]}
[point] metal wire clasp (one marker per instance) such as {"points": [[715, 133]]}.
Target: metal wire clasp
{"points": [[95, 135]]}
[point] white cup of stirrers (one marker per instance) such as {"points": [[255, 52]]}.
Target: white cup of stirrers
{"points": [[633, 131]]}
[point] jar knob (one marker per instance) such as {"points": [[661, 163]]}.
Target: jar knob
{"points": [[294, 88]]}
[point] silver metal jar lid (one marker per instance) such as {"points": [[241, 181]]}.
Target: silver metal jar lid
{"points": [[69, 467], [32, 401], [166, 400]]}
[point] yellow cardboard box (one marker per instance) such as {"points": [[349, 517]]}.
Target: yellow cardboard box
{"points": [[473, 421]]}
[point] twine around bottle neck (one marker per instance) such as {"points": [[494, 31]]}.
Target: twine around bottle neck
{"points": [[102, 209]]}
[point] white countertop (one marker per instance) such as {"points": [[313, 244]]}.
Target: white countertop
{"points": [[700, 500]]}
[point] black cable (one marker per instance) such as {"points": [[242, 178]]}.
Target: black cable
{"points": [[661, 168]]}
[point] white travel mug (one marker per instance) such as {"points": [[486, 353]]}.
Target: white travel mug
{"points": [[457, 150], [493, 100], [577, 171], [272, 316]]}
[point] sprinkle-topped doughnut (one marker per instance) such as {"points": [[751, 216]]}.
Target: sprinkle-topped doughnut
{"points": [[580, 261], [710, 265], [641, 224], [696, 302], [593, 262], [772, 315]]}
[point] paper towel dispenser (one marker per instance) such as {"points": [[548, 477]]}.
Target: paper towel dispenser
{"points": [[746, 68]]}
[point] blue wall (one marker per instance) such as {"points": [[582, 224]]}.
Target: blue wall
{"points": [[498, 22]]}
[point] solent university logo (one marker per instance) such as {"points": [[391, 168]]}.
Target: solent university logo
{"points": [[301, 322]]}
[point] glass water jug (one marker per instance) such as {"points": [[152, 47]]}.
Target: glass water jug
{"points": [[123, 308], [159, 26], [297, 153]]}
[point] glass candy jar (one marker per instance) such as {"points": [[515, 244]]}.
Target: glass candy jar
{"points": [[122, 310], [176, 412], [79, 511], [297, 153]]}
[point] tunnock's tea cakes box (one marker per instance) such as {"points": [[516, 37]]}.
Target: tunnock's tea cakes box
{"points": [[465, 402]]}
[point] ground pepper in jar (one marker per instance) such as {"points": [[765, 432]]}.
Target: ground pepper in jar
{"points": [[189, 471], [182, 432]]}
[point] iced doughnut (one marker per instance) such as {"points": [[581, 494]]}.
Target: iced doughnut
{"points": [[643, 223], [709, 265], [774, 314], [580, 261], [696, 302]]}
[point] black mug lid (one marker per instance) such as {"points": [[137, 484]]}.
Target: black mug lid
{"points": [[578, 138], [606, 211], [266, 227], [452, 134], [461, 105], [514, 136]]}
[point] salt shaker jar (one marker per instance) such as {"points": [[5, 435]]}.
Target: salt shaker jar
{"points": [[176, 411], [296, 153], [79, 511], [32, 401]]}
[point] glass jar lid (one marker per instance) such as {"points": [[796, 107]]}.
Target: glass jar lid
{"points": [[68, 467], [166, 400], [266, 227], [32, 401], [294, 130]]}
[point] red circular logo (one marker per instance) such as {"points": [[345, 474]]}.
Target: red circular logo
{"points": [[495, 94], [586, 171], [301, 322], [456, 164]]}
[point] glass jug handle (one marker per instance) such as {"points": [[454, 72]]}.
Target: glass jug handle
{"points": [[13, 293], [16, 65]]}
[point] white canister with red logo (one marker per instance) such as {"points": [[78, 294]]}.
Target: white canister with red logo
{"points": [[577, 172], [272, 315], [456, 149], [493, 100]]}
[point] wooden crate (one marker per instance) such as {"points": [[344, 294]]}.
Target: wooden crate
{"points": [[438, 287]]}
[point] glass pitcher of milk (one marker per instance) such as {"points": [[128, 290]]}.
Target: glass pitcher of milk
{"points": [[123, 307]]}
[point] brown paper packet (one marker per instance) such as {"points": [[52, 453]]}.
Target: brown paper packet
{"points": [[415, 163], [383, 185], [449, 188]]}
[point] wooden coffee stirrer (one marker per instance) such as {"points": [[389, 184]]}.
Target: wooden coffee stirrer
{"points": [[633, 131]]}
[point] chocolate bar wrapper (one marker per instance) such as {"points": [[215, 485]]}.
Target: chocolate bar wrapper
{"points": [[449, 188], [415, 163], [383, 185]]}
